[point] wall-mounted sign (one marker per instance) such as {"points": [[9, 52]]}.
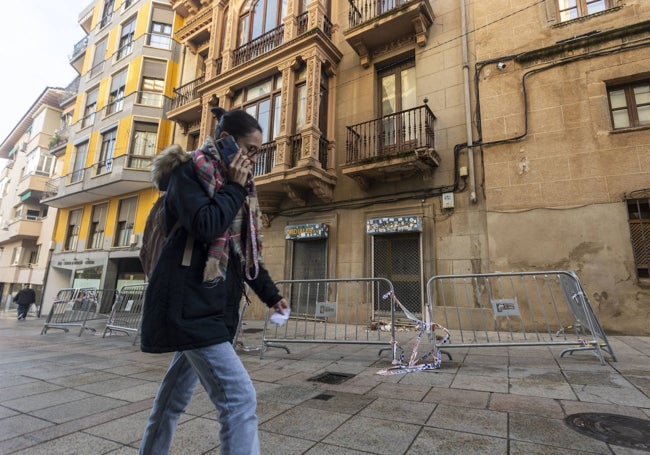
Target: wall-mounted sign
{"points": [[394, 224], [505, 307], [325, 309], [306, 231]]}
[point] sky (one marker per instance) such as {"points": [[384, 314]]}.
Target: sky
{"points": [[35, 44]]}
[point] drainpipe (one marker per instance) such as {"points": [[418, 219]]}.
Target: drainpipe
{"points": [[468, 112]]}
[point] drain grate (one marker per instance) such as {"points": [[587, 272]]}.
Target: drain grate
{"points": [[331, 378], [613, 429]]}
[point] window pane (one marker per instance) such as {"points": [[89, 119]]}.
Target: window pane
{"points": [[263, 117], [621, 119], [565, 4], [644, 115], [408, 89], [596, 6], [79, 163], [388, 94], [617, 99], [301, 105], [568, 15], [271, 15], [258, 18], [642, 94], [276, 116], [252, 110], [259, 90], [243, 30]]}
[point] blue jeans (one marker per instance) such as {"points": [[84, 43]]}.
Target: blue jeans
{"points": [[224, 377], [23, 309]]}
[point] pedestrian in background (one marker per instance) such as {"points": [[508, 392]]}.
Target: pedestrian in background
{"points": [[24, 299]]}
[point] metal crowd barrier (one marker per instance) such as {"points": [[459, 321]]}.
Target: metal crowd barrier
{"points": [[335, 311], [73, 307], [126, 313], [517, 309]]}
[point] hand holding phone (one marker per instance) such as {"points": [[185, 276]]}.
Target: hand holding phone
{"points": [[227, 147]]}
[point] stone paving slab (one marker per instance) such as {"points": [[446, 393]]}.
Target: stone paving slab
{"points": [[60, 393]]}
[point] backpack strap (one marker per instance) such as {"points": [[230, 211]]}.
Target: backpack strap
{"points": [[189, 244], [187, 252]]}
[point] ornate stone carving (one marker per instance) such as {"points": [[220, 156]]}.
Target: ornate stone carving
{"points": [[266, 220], [295, 194], [322, 190]]}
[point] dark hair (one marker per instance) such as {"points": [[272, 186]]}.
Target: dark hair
{"points": [[237, 122]]}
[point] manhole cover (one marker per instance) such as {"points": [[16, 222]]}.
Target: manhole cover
{"points": [[331, 378], [612, 429]]}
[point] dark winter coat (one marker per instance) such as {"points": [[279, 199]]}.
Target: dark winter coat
{"points": [[182, 312], [25, 296]]}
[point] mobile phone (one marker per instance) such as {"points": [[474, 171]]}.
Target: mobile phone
{"points": [[228, 147]]}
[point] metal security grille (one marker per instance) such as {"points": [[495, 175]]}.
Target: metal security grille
{"points": [[396, 257], [309, 263], [638, 209]]}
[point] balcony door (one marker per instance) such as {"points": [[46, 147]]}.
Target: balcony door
{"points": [[397, 95]]}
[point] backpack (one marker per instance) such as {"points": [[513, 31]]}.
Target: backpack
{"points": [[155, 235], [155, 232]]}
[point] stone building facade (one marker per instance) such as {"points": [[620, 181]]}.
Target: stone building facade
{"points": [[407, 139]]}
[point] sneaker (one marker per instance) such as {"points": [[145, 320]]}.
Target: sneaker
{"points": [[21, 318]]}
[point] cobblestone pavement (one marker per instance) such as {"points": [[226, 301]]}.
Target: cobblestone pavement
{"points": [[66, 394]]}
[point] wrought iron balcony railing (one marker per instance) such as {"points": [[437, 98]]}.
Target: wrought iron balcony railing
{"points": [[79, 48], [261, 45], [295, 143], [266, 159], [186, 93], [303, 20], [364, 10], [391, 135]]}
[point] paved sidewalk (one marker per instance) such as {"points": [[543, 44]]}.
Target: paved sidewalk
{"points": [[64, 394]]}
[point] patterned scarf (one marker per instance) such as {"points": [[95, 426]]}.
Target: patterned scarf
{"points": [[212, 174]]}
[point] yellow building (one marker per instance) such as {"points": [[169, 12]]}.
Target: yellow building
{"points": [[128, 66], [412, 138]]}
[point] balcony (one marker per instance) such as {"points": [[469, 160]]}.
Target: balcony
{"points": [[196, 31], [59, 140], [301, 178], [78, 52], [186, 105], [374, 24], [86, 18], [100, 181], [20, 229], [33, 184], [393, 147], [259, 46], [185, 8]]}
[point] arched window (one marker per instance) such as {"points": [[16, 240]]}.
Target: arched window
{"points": [[259, 17]]}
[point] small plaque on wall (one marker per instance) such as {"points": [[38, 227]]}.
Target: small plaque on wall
{"points": [[306, 231], [394, 224]]}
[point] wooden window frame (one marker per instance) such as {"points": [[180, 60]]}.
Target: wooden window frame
{"points": [[582, 8], [630, 100]]}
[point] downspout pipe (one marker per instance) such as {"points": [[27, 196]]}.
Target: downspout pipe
{"points": [[468, 112]]}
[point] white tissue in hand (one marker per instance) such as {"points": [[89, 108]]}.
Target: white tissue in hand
{"points": [[278, 318]]}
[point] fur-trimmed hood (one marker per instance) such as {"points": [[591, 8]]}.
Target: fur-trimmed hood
{"points": [[165, 163]]}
